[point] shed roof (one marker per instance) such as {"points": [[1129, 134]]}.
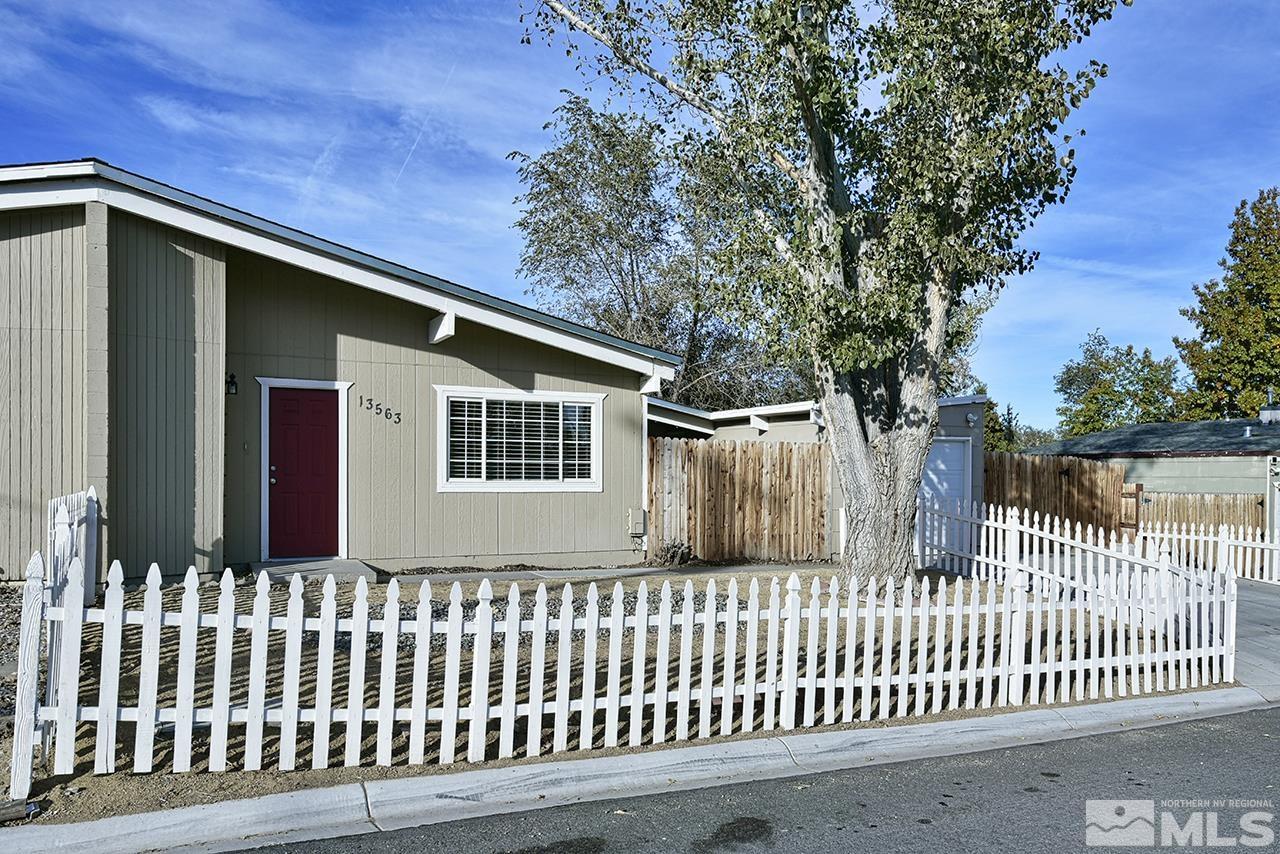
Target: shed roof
{"points": [[1224, 437]]}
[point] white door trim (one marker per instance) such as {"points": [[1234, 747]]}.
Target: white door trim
{"points": [[267, 384]]}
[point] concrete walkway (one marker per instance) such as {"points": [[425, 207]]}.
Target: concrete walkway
{"points": [[1258, 637]]}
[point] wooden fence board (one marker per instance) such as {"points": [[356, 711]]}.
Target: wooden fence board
{"points": [[1242, 509], [739, 500], [1085, 491]]}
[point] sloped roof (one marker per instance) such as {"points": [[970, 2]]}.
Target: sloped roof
{"points": [[1173, 438], [74, 181]]}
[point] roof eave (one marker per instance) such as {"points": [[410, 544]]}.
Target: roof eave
{"points": [[645, 360]]}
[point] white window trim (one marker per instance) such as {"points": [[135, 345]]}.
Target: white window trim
{"points": [[341, 388], [444, 484]]}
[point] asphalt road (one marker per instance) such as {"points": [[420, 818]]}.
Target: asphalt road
{"points": [[1026, 799]]}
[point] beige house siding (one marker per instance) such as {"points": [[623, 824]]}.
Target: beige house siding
{"points": [[42, 351], [289, 323], [167, 333]]}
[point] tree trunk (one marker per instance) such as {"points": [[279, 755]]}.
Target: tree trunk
{"points": [[879, 469], [880, 423]]}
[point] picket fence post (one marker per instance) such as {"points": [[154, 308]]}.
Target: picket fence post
{"points": [[64, 749], [55, 595], [477, 734], [1011, 531], [27, 699], [1222, 561], [790, 653], [108, 714]]}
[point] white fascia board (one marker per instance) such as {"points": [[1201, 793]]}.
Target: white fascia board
{"points": [[46, 171], [675, 422], [806, 406], [962, 401], [49, 193], [680, 407], [800, 406]]}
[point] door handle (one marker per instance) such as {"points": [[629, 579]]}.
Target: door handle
{"points": [[273, 481]]}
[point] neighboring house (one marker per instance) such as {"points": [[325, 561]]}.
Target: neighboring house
{"points": [[954, 470], [1238, 455], [237, 390]]}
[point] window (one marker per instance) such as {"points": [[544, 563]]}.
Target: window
{"points": [[519, 441]]}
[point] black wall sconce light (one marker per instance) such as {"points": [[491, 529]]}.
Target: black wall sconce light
{"points": [[232, 388]]}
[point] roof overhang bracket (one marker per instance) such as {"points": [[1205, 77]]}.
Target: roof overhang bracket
{"points": [[652, 384], [759, 423], [441, 327]]}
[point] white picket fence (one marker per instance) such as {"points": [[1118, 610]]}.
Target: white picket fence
{"points": [[73, 533], [1247, 552], [971, 538], [270, 681]]}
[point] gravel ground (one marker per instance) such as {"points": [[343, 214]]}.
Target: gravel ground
{"points": [[10, 612]]}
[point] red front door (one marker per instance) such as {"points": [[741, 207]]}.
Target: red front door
{"points": [[303, 473]]}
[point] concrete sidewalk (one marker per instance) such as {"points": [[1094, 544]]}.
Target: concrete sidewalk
{"points": [[1258, 637], [379, 805]]}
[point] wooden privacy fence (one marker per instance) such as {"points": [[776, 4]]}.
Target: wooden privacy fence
{"points": [[1086, 491], [1238, 509], [258, 677], [729, 499]]}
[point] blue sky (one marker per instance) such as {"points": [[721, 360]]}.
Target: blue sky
{"points": [[387, 126]]}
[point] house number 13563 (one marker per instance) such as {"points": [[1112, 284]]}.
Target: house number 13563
{"points": [[377, 408]]}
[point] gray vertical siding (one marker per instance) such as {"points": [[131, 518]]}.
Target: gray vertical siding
{"points": [[97, 349], [1196, 474], [289, 323], [953, 421], [42, 311], [167, 335]]}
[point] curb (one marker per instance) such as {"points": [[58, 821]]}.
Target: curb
{"points": [[380, 805]]}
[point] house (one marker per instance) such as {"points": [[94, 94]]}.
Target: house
{"points": [[1226, 456], [953, 471], [238, 391]]}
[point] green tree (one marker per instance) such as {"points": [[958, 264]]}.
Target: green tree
{"points": [[955, 373], [1110, 386], [1004, 431], [619, 237], [1234, 360], [888, 157]]}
